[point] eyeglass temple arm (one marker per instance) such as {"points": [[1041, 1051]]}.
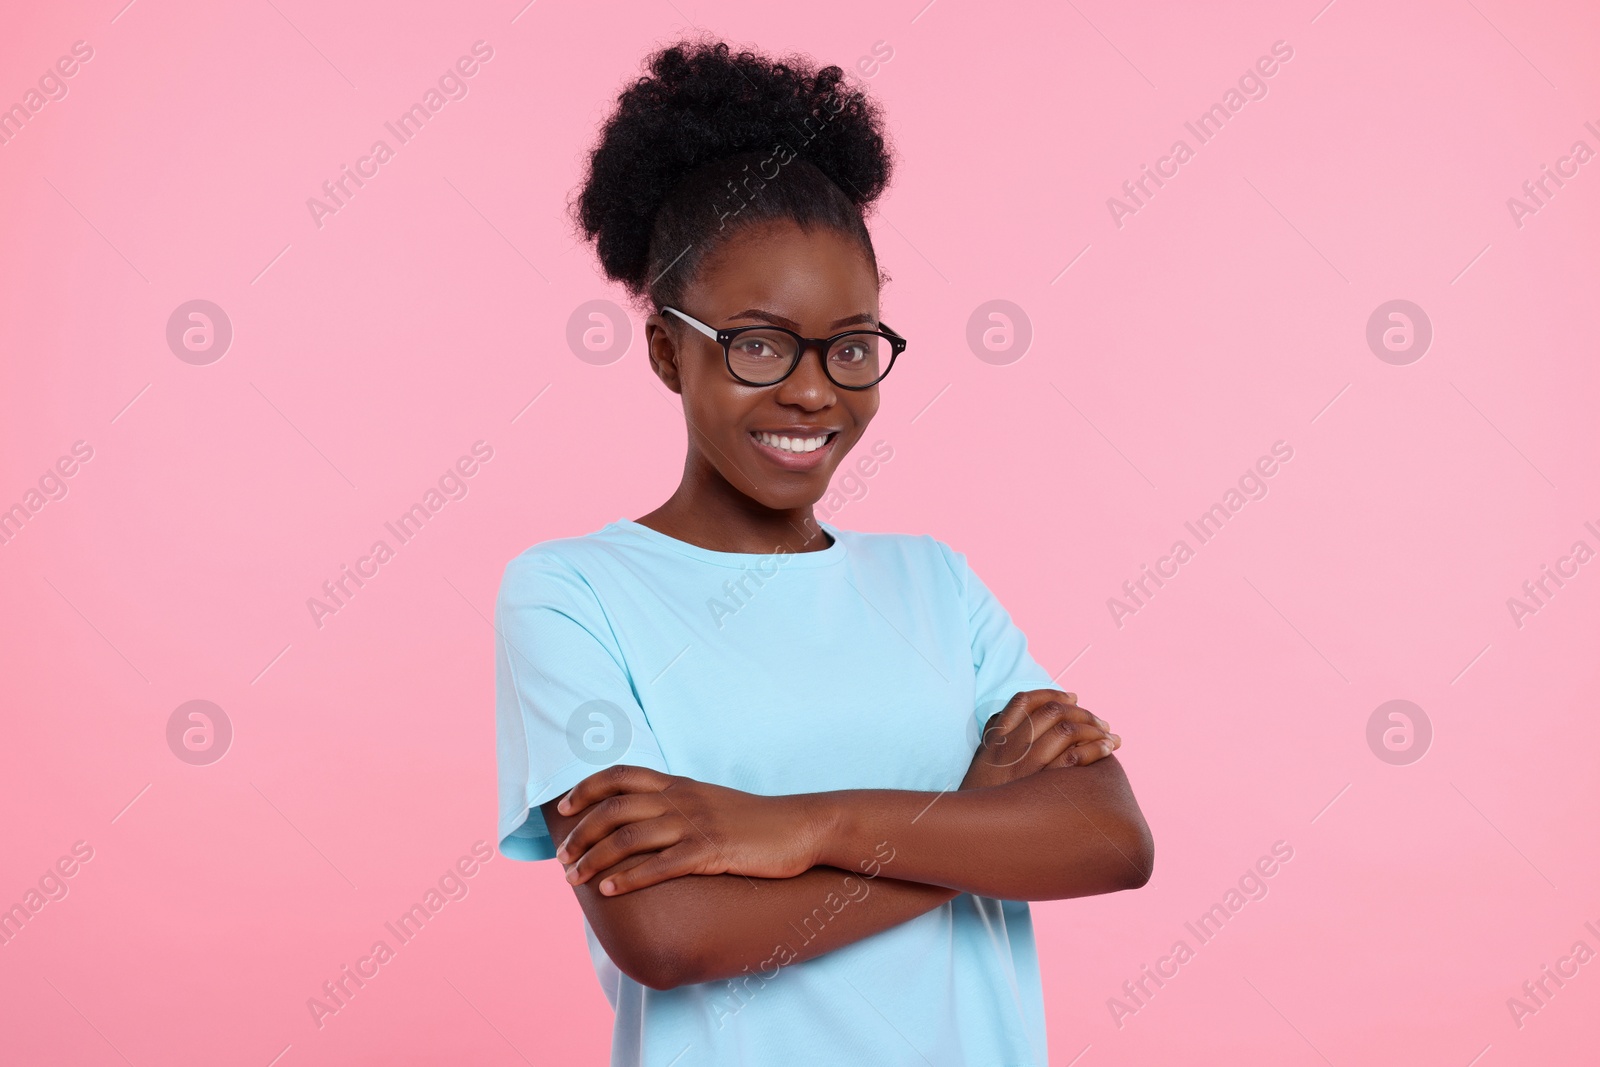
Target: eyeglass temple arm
{"points": [[696, 323], [712, 333]]}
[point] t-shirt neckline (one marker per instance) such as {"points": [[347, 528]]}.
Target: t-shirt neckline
{"points": [[738, 560]]}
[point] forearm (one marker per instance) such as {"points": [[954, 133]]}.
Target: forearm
{"points": [[1063, 832], [706, 928]]}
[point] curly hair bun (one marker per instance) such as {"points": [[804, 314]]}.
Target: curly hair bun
{"points": [[712, 139]]}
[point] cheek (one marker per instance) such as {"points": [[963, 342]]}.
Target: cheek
{"points": [[864, 407], [715, 407]]}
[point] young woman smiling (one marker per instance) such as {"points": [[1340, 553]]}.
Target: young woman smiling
{"points": [[805, 831]]}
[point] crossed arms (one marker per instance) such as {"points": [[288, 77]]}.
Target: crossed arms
{"points": [[1044, 812]]}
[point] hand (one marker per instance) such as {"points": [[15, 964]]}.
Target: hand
{"points": [[1037, 729], [682, 827]]}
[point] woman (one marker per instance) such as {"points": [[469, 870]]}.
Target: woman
{"points": [[802, 779]]}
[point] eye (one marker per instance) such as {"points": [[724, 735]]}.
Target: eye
{"points": [[754, 348], [852, 352]]}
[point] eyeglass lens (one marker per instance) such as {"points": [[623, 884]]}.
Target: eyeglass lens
{"points": [[764, 356]]}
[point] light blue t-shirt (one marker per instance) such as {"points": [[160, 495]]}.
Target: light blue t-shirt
{"points": [[870, 664]]}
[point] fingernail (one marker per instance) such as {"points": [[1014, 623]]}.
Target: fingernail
{"points": [[572, 874], [608, 886]]}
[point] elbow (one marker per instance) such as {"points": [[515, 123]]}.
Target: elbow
{"points": [[661, 972], [654, 961], [1125, 859], [656, 936], [1140, 850]]}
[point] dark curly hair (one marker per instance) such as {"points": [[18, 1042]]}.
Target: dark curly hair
{"points": [[712, 140]]}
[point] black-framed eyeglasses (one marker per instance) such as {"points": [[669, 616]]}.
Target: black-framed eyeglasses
{"points": [[766, 355]]}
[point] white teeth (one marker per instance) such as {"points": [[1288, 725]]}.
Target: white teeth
{"points": [[797, 445]]}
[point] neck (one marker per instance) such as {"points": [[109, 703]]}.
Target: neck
{"points": [[711, 513]]}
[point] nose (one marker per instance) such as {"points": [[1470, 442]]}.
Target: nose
{"points": [[809, 386]]}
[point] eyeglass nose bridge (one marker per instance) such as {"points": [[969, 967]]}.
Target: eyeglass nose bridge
{"points": [[805, 344], [725, 337]]}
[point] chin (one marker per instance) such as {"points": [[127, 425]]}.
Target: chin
{"points": [[778, 500]]}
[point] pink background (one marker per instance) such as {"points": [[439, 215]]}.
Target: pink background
{"points": [[368, 354]]}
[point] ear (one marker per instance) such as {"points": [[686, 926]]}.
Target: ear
{"points": [[662, 348]]}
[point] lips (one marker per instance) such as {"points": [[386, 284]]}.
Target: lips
{"points": [[798, 441], [795, 448]]}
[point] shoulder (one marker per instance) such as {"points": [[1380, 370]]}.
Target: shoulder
{"points": [[555, 569]]}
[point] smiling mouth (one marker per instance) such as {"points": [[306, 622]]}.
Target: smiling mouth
{"points": [[795, 446]]}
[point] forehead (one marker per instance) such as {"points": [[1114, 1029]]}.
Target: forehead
{"points": [[781, 267]]}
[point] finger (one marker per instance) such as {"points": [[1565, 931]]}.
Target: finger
{"points": [[1051, 723], [1011, 716], [1069, 698], [1000, 748], [1018, 710], [1095, 751], [1057, 735], [621, 778], [1086, 753], [1098, 721], [605, 817], [1047, 713], [1072, 698], [629, 839], [663, 866]]}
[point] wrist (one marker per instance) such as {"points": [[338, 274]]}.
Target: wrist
{"points": [[826, 823]]}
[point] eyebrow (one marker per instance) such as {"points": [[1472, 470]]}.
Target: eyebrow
{"points": [[758, 313]]}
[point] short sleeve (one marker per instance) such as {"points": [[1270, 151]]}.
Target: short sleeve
{"points": [[1000, 657], [565, 706]]}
